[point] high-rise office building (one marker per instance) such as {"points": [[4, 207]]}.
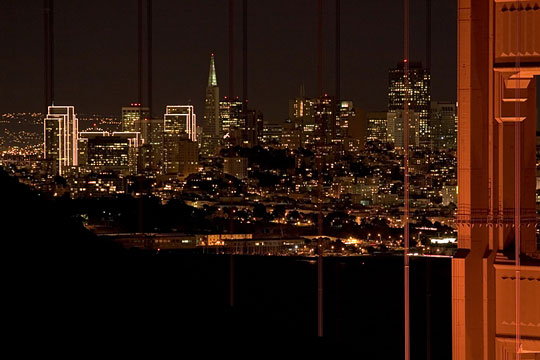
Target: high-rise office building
{"points": [[180, 120], [109, 152], [325, 122], [291, 136], [444, 124], [188, 158], [151, 147], [319, 121], [252, 130], [239, 128], [231, 117], [301, 110], [345, 115], [272, 134], [60, 128], [357, 128], [179, 134], [211, 124], [419, 95], [302, 115], [396, 128], [133, 117], [377, 126]]}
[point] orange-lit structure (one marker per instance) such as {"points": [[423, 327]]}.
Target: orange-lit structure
{"points": [[498, 57]]}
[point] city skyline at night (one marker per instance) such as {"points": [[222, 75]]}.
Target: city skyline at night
{"points": [[180, 78], [328, 174]]}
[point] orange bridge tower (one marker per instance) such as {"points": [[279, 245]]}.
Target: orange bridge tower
{"points": [[498, 58]]}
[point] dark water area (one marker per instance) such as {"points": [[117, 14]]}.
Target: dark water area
{"points": [[275, 302]]}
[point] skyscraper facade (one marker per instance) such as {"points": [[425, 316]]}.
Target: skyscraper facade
{"points": [[231, 116], [211, 123], [188, 158], [180, 120], [321, 120], [324, 120], [133, 117], [419, 95], [150, 150], [377, 126], [179, 125], [109, 152], [444, 124], [345, 114], [60, 129], [302, 115], [396, 128]]}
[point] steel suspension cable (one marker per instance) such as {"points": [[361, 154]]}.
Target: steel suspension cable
{"points": [[406, 176]]}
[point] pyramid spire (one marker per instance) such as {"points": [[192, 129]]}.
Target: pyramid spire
{"points": [[212, 77]]}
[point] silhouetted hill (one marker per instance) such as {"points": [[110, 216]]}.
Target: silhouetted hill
{"points": [[65, 291]]}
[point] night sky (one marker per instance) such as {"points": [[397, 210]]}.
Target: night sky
{"points": [[96, 52]]}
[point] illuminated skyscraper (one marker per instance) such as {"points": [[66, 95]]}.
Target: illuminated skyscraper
{"points": [[211, 124], [230, 114], [319, 122], [419, 95], [180, 120], [133, 117], [345, 114], [325, 121], [377, 126], [179, 139], [150, 150], [60, 130], [109, 152], [302, 115]]}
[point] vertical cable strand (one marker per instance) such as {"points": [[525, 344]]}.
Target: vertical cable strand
{"points": [[149, 55], [231, 50], [517, 185], [51, 50], [46, 49], [320, 292], [406, 175]]}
